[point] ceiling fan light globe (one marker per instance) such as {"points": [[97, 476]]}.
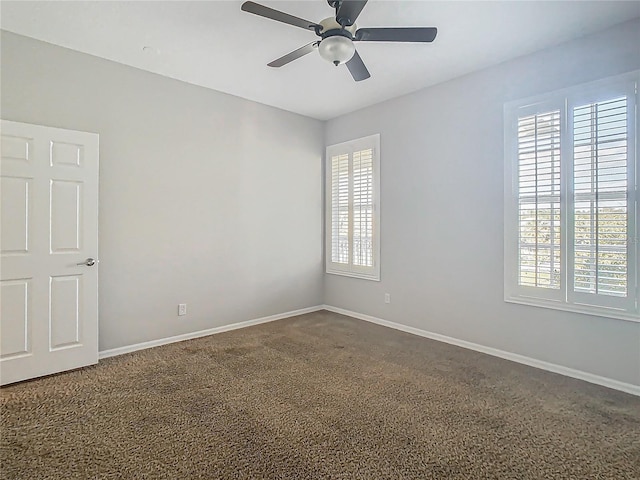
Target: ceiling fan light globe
{"points": [[337, 49]]}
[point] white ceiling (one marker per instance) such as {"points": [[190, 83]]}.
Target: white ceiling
{"points": [[216, 45]]}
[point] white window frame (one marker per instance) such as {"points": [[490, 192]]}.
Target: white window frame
{"points": [[565, 298], [348, 269]]}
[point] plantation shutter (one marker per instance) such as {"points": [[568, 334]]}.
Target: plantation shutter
{"points": [[601, 227], [352, 246], [539, 242], [571, 199], [340, 208], [363, 208]]}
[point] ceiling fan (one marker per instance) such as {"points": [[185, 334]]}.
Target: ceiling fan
{"points": [[338, 34]]}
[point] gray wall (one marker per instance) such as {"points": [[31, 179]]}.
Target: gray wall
{"points": [[205, 198], [442, 212]]}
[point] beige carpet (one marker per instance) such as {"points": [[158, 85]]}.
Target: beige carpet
{"points": [[313, 397]]}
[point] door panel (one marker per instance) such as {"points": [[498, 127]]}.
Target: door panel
{"points": [[14, 195], [49, 225], [15, 324], [64, 310], [66, 219], [16, 149], [66, 154]]}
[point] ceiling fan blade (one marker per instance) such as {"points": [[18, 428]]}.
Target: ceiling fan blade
{"points": [[277, 15], [348, 11], [357, 68], [398, 34], [290, 57]]}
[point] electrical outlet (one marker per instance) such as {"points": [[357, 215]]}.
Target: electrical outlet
{"points": [[387, 298], [182, 309]]}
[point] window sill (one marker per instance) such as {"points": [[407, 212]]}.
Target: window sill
{"points": [[362, 276], [567, 307]]}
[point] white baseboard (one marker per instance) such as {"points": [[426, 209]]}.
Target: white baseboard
{"points": [[514, 357], [203, 333]]}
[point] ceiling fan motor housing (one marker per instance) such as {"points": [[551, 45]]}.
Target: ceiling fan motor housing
{"points": [[330, 25]]}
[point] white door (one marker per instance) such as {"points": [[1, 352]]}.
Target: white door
{"points": [[48, 236]]}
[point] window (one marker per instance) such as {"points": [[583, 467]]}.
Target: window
{"points": [[571, 193], [352, 208]]}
